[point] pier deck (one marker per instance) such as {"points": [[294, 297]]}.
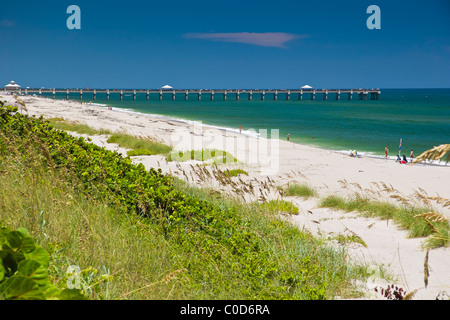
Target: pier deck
{"points": [[362, 94]]}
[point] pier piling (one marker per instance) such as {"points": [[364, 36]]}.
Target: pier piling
{"points": [[362, 94]]}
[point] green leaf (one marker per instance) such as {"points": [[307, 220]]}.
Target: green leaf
{"points": [[71, 294], [8, 260], [20, 288], [15, 239], [40, 255], [27, 243], [2, 272], [35, 271], [51, 292]]}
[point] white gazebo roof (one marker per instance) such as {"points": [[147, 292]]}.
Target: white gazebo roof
{"points": [[12, 84], [166, 87], [306, 87]]}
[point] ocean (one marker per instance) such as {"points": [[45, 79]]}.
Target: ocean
{"points": [[420, 117]]}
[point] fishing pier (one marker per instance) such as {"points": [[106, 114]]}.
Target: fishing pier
{"points": [[211, 94]]}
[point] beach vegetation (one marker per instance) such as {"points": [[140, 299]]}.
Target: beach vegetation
{"points": [[280, 206], [140, 234], [436, 153], [212, 155], [235, 172], [352, 238], [299, 190], [24, 270], [75, 126], [138, 145], [419, 222]]}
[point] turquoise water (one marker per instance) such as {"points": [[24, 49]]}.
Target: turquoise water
{"points": [[420, 117]]}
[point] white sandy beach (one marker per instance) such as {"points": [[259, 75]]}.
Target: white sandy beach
{"points": [[286, 162]]}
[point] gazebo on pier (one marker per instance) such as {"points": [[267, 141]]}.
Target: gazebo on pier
{"points": [[12, 86]]}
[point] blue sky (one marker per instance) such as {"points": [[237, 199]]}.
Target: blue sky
{"points": [[226, 44]]}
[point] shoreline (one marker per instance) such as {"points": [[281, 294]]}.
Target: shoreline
{"points": [[368, 154]]}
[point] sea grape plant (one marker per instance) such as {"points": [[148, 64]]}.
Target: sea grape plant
{"points": [[24, 270]]}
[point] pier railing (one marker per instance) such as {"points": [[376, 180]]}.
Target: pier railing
{"points": [[362, 94]]}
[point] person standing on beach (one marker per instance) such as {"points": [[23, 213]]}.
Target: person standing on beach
{"points": [[240, 129], [287, 137], [386, 151], [411, 154]]}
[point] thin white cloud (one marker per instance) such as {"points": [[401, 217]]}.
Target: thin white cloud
{"points": [[7, 23], [268, 39]]}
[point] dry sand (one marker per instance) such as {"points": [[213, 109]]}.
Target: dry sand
{"points": [[278, 163]]}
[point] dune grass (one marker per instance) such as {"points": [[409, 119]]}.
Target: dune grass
{"points": [[280, 206], [139, 146], [216, 156], [235, 172], [412, 219], [299, 190], [75, 126]]}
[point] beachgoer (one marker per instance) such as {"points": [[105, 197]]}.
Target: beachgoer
{"points": [[240, 129], [412, 155], [354, 153], [386, 151], [404, 159], [288, 137]]}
